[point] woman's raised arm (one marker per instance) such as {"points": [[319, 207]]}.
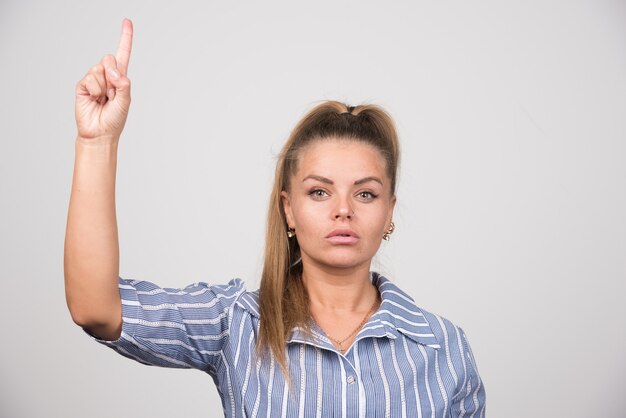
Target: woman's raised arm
{"points": [[91, 258]]}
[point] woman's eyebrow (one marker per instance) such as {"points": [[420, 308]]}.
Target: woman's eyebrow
{"points": [[318, 178], [368, 179], [329, 181]]}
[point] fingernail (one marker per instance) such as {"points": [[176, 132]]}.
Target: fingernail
{"points": [[111, 94], [113, 73]]}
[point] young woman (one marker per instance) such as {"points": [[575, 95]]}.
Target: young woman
{"points": [[323, 336]]}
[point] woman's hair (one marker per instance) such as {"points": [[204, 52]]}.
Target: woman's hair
{"points": [[283, 298]]}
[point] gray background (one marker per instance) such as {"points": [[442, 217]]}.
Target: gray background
{"points": [[511, 213]]}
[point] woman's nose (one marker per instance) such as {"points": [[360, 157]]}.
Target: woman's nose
{"points": [[344, 210]]}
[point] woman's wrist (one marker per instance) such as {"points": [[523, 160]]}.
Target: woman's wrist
{"points": [[103, 148], [98, 141]]}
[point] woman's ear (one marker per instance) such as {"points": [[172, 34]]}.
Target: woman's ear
{"points": [[391, 207], [284, 197]]}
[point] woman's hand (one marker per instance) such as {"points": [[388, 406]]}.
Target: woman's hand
{"points": [[103, 95]]}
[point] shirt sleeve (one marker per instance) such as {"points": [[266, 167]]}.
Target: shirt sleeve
{"points": [[179, 328], [470, 401]]}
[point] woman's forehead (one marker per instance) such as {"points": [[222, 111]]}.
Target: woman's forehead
{"points": [[328, 151], [340, 157]]}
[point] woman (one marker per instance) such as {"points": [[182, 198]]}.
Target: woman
{"points": [[323, 336]]}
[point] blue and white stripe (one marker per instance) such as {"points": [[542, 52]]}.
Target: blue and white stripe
{"points": [[405, 361]]}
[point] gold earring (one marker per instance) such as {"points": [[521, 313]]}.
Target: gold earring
{"points": [[291, 232], [386, 235]]}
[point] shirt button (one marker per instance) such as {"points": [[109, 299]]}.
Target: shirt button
{"points": [[350, 380]]}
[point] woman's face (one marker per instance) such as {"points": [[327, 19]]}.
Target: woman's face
{"points": [[340, 203]]}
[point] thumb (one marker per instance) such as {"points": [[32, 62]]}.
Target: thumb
{"points": [[121, 87]]}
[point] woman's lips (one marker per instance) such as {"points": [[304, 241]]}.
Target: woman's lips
{"points": [[342, 237]]}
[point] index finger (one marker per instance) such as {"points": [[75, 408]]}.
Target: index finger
{"points": [[126, 44]]}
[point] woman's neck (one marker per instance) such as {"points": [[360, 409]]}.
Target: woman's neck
{"points": [[339, 290]]}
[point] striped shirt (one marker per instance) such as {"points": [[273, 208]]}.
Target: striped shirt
{"points": [[405, 361]]}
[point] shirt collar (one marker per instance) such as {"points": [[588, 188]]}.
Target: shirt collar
{"points": [[399, 314], [396, 315]]}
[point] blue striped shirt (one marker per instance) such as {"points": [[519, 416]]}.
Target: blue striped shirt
{"points": [[405, 361]]}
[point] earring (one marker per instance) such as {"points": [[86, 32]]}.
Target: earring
{"points": [[291, 232], [386, 235]]}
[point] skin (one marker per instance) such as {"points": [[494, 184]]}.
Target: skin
{"points": [[339, 184], [91, 256]]}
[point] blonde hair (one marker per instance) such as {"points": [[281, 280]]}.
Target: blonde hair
{"points": [[283, 298]]}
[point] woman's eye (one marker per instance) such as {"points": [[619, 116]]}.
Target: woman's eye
{"points": [[318, 193], [366, 195]]}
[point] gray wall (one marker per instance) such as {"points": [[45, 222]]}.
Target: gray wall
{"points": [[512, 201]]}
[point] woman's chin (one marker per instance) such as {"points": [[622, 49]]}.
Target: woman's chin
{"points": [[344, 263], [339, 258]]}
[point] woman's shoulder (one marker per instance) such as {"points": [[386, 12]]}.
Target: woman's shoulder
{"points": [[249, 301]]}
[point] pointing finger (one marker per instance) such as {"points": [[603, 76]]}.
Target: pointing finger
{"points": [[126, 44]]}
